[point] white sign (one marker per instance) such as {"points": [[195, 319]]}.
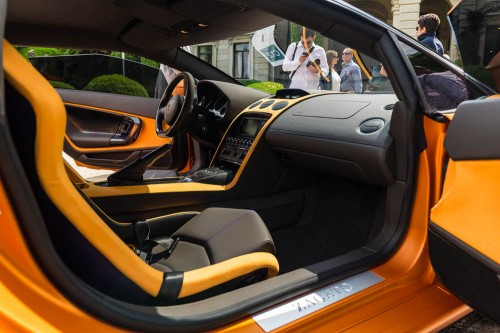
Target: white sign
{"points": [[263, 41]]}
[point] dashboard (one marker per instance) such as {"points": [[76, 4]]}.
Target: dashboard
{"points": [[345, 135]]}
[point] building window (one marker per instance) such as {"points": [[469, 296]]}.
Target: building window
{"points": [[205, 53], [241, 59]]}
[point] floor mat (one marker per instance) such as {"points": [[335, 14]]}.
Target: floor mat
{"points": [[342, 222]]}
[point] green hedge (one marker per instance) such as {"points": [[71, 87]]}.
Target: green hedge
{"points": [[116, 84], [61, 85], [266, 86], [248, 82], [44, 51]]}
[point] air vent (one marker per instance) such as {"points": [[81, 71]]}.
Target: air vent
{"points": [[389, 107], [279, 105], [254, 104], [371, 125], [266, 104]]}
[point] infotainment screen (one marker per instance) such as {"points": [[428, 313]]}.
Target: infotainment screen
{"points": [[249, 126]]}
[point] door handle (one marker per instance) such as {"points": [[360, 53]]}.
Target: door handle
{"points": [[127, 132]]}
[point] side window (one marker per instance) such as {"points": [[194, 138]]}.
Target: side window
{"points": [[443, 89], [110, 72]]}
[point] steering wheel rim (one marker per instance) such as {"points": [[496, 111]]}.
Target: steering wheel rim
{"points": [[174, 111]]}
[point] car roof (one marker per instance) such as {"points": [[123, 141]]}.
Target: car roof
{"points": [[138, 26]]}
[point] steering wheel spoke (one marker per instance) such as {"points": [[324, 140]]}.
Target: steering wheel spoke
{"points": [[174, 111]]}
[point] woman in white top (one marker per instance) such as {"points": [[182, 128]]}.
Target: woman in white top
{"points": [[332, 58]]}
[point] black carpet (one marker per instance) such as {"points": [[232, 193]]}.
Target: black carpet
{"points": [[342, 217]]}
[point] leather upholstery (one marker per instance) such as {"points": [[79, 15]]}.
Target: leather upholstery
{"points": [[215, 235]]}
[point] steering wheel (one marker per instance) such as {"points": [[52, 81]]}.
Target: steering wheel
{"points": [[174, 111]]}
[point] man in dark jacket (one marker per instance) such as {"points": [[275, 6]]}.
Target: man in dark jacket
{"points": [[426, 32]]}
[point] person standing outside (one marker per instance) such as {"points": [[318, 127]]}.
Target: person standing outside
{"points": [[304, 60], [350, 77], [333, 82], [427, 26]]}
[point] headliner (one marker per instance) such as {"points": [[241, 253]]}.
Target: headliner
{"points": [[146, 27]]}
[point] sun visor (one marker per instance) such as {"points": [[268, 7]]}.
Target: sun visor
{"points": [[207, 10], [142, 34]]}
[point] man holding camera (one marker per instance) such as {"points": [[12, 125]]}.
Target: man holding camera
{"points": [[305, 61]]}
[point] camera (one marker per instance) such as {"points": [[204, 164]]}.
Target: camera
{"points": [[309, 63]]}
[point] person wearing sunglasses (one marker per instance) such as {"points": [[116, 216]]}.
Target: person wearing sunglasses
{"points": [[350, 76], [305, 61]]}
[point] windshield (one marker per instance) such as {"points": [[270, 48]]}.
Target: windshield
{"points": [[287, 55]]}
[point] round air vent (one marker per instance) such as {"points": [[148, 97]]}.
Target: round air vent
{"points": [[266, 104], [371, 125], [254, 104], [279, 105]]}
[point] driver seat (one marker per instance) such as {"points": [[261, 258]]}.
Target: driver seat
{"points": [[216, 247], [213, 236]]}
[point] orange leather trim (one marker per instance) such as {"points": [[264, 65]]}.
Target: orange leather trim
{"points": [[435, 133], [29, 302], [214, 275], [51, 119], [95, 191], [469, 208], [147, 138]]}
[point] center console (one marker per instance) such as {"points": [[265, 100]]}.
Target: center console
{"points": [[230, 156], [238, 141]]}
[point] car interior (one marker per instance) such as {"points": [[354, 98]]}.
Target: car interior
{"points": [[292, 191]]}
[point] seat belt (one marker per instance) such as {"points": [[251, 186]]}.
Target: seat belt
{"points": [[145, 249], [166, 246]]}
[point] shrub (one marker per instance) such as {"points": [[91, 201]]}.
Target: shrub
{"points": [[43, 51], [267, 86], [116, 84], [246, 82], [61, 85]]}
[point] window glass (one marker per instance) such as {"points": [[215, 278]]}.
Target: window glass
{"points": [[257, 59], [443, 89], [205, 53], [98, 72], [241, 61], [477, 38]]}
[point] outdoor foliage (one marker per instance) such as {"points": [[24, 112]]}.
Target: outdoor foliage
{"points": [[116, 84], [141, 60], [43, 51], [296, 33], [266, 86], [61, 85], [248, 82]]}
